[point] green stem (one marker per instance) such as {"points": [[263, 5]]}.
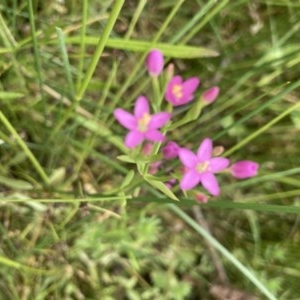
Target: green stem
{"points": [[156, 93], [65, 58], [37, 62], [21, 143], [99, 49], [135, 18], [82, 42]]}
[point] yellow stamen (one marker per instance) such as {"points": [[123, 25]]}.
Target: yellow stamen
{"points": [[202, 167], [143, 122], [177, 91]]}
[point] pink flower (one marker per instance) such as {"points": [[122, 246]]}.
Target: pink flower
{"points": [[155, 62], [142, 125], [178, 92], [244, 169], [210, 95], [201, 167], [170, 150]]}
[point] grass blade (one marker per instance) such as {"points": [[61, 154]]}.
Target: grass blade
{"points": [[102, 42]]}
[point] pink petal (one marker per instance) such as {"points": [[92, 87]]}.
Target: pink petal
{"points": [[159, 119], [186, 98], [154, 135], [190, 85], [205, 150], [141, 107], [125, 119], [244, 169], [210, 95], [155, 62], [176, 80], [210, 183], [189, 180], [133, 139], [188, 158], [217, 164]]}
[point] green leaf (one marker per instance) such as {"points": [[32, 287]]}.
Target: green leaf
{"points": [[148, 159], [295, 116], [173, 51], [160, 186], [128, 179], [15, 183], [126, 158], [57, 176], [10, 95], [192, 115]]}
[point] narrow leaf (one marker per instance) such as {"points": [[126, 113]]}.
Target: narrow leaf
{"points": [[160, 186], [175, 51], [128, 179], [15, 183]]}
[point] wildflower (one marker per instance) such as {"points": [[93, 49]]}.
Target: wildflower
{"points": [[141, 124], [155, 62], [244, 169], [201, 167], [179, 92], [170, 150], [210, 95]]}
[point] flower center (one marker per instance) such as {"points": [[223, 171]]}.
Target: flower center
{"points": [[143, 122], [202, 166], [177, 91]]}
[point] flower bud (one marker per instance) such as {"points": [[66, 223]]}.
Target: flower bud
{"points": [[170, 150], [210, 95], [218, 150], [200, 197], [244, 169], [155, 62]]}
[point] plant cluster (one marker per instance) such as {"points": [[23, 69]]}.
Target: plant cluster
{"points": [[199, 167]]}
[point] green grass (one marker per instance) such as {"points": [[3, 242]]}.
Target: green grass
{"points": [[80, 218]]}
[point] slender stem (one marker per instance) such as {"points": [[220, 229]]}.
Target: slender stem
{"points": [[21, 143], [82, 42], [135, 18], [99, 49], [37, 61], [156, 93], [65, 58]]}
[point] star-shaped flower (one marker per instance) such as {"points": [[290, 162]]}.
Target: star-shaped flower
{"points": [[141, 124], [201, 167], [181, 92]]}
